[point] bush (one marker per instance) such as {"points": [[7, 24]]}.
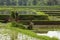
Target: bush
{"points": [[15, 24]]}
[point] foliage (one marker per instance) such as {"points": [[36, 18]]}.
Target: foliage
{"points": [[29, 3], [15, 24], [28, 32]]}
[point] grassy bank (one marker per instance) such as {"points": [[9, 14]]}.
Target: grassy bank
{"points": [[25, 31]]}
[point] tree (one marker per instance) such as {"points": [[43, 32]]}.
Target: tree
{"points": [[52, 2]]}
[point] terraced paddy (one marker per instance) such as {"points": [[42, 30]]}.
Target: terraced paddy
{"points": [[41, 17], [12, 33]]}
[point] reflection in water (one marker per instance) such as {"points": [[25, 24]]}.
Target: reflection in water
{"points": [[52, 34]]}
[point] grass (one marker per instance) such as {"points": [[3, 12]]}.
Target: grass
{"points": [[47, 29], [26, 32], [35, 9], [30, 7]]}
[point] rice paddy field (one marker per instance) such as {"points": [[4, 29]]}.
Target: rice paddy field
{"points": [[39, 15], [14, 33], [23, 19]]}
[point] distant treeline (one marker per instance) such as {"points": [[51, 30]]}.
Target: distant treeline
{"points": [[29, 2]]}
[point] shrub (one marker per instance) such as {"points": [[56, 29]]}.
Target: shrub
{"points": [[15, 24]]}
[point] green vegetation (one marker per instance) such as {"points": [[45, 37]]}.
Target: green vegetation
{"points": [[36, 9], [26, 32], [31, 12], [30, 3], [46, 29], [17, 8], [36, 14]]}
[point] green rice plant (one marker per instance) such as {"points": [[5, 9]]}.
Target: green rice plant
{"points": [[28, 32]]}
